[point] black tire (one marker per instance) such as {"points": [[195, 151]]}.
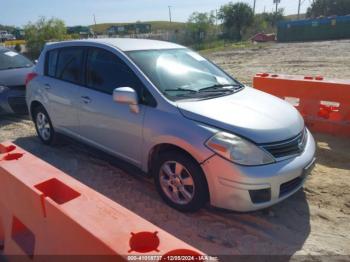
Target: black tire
{"points": [[52, 140], [200, 196]]}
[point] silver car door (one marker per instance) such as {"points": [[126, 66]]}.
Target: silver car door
{"points": [[61, 83], [104, 123]]}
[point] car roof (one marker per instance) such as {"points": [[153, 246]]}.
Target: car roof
{"points": [[129, 44]]}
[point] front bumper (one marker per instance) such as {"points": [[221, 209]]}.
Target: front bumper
{"points": [[231, 185], [12, 101]]}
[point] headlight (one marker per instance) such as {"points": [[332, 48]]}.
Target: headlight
{"points": [[238, 150], [2, 88]]}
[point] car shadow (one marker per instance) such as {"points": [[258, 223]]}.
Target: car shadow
{"points": [[326, 154], [279, 230], [276, 233], [8, 119], [67, 145]]}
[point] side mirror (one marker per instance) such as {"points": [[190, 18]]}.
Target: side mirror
{"points": [[126, 95]]}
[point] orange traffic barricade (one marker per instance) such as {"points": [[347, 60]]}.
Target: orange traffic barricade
{"points": [[324, 103], [46, 212]]}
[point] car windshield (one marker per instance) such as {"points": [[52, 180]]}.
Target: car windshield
{"points": [[182, 73], [11, 59]]}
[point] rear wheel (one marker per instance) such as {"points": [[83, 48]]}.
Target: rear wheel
{"points": [[43, 126], [180, 181]]}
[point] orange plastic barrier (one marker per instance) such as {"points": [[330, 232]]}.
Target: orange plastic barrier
{"points": [[324, 103], [46, 212]]}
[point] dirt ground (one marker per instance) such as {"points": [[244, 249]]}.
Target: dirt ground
{"points": [[315, 221], [328, 58]]}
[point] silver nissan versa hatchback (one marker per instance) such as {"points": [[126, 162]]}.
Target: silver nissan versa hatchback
{"points": [[204, 136]]}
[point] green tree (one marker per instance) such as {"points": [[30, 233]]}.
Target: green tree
{"points": [[236, 18], [273, 18], [37, 34], [328, 8], [264, 23], [200, 25]]}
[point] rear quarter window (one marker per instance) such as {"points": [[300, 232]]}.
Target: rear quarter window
{"points": [[51, 63]]}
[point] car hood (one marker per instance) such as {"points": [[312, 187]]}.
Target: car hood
{"points": [[14, 77], [250, 113]]}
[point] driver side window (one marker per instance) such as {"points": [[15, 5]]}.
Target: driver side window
{"points": [[105, 72]]}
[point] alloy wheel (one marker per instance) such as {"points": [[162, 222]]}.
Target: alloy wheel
{"points": [[176, 182], [43, 126]]}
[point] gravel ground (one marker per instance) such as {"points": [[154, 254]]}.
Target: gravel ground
{"points": [[315, 221]]}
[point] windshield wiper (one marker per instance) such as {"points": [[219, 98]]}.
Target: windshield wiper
{"points": [[181, 90], [14, 67], [219, 87]]}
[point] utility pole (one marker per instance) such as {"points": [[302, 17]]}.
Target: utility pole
{"points": [[94, 19], [254, 7], [299, 9], [276, 2], [169, 13], [94, 34], [216, 23]]}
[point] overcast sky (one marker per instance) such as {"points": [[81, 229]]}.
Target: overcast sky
{"points": [[80, 12]]}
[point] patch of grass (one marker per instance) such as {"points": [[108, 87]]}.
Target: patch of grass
{"points": [[222, 45]]}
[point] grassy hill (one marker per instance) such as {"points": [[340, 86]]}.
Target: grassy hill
{"points": [[295, 17], [156, 25]]}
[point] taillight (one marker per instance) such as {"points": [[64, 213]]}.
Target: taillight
{"points": [[30, 77]]}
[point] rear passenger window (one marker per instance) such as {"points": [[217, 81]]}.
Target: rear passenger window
{"points": [[69, 66], [105, 72], [51, 62]]}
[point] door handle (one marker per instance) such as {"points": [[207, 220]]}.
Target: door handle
{"points": [[47, 86], [86, 99]]}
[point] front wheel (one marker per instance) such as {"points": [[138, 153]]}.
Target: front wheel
{"points": [[43, 126], [180, 181]]}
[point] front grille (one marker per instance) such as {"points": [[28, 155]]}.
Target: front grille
{"points": [[18, 104], [290, 147], [290, 186], [20, 87]]}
